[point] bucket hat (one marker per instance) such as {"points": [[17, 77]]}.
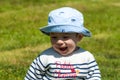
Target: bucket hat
{"points": [[65, 20]]}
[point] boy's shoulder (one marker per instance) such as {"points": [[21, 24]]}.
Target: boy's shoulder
{"points": [[48, 52], [83, 52]]}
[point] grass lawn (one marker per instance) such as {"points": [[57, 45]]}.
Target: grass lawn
{"points": [[21, 41]]}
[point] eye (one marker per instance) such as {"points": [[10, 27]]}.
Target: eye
{"points": [[54, 37], [66, 37]]}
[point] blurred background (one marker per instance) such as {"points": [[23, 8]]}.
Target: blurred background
{"points": [[21, 41]]}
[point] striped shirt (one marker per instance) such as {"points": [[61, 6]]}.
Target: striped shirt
{"points": [[50, 65]]}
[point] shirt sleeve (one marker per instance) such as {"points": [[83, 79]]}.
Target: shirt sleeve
{"points": [[36, 70], [94, 72]]}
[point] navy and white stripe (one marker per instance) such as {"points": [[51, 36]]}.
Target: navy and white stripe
{"points": [[52, 66]]}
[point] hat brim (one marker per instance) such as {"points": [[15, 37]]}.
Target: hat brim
{"points": [[65, 29]]}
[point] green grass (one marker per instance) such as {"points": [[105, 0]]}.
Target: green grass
{"points": [[21, 41]]}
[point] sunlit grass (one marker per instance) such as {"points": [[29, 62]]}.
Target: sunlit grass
{"points": [[14, 64]]}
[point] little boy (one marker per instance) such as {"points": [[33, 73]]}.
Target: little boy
{"points": [[64, 60]]}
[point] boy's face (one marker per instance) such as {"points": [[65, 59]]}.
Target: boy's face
{"points": [[65, 43]]}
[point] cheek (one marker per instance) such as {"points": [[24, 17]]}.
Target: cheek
{"points": [[71, 43], [76, 40]]}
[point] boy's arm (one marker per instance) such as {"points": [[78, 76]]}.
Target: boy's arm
{"points": [[36, 70], [94, 72]]}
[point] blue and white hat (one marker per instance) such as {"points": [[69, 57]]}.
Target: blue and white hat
{"points": [[65, 20]]}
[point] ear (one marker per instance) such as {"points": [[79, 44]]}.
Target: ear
{"points": [[79, 37]]}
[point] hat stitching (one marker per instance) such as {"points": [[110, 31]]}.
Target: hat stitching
{"points": [[73, 20], [63, 30], [49, 20]]}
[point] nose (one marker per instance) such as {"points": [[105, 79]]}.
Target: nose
{"points": [[60, 42]]}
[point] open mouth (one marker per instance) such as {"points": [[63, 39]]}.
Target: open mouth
{"points": [[63, 49]]}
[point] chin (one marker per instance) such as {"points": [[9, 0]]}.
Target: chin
{"points": [[64, 54]]}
